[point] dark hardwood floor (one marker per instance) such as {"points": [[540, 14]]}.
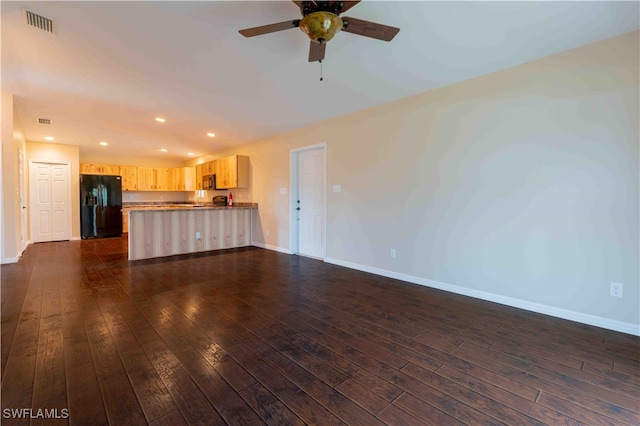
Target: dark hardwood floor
{"points": [[250, 336]]}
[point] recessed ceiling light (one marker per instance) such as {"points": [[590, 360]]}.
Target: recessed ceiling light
{"points": [[191, 153], [49, 138], [211, 135], [163, 149], [160, 119], [103, 143]]}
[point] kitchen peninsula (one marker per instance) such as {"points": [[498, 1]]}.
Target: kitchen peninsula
{"points": [[166, 231]]}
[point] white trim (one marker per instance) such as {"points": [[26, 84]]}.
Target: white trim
{"points": [[10, 260], [270, 247], [293, 191], [609, 324]]}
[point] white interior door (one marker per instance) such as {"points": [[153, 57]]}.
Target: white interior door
{"points": [[59, 203], [50, 204], [310, 202]]}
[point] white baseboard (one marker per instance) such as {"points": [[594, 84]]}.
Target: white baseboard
{"points": [[270, 247], [609, 324], [7, 260]]}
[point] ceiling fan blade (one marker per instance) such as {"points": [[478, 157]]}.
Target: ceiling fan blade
{"points": [[300, 3], [346, 5], [271, 28], [370, 29], [316, 51]]}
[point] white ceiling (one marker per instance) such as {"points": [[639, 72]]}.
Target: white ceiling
{"points": [[111, 67]]}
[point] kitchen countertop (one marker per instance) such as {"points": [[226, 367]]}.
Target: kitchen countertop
{"points": [[185, 206]]}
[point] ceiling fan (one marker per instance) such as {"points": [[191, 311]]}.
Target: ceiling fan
{"points": [[321, 21]]}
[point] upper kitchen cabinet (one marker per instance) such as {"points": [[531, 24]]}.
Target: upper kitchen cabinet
{"points": [[99, 169], [187, 179], [161, 178], [199, 176], [232, 172], [129, 178], [209, 168], [173, 179], [146, 181]]}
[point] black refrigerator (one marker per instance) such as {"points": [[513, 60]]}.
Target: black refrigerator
{"points": [[100, 206]]}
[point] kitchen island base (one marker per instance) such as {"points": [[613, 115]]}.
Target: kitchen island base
{"points": [[168, 232]]}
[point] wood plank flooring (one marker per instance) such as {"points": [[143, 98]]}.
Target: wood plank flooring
{"points": [[250, 336]]}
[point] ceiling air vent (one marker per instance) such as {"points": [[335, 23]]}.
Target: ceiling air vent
{"points": [[38, 21], [44, 121]]}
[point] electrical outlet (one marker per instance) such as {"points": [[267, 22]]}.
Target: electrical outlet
{"points": [[615, 289], [393, 253], [197, 235]]}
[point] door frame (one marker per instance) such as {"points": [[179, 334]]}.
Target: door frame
{"points": [[22, 191], [68, 195], [294, 238]]}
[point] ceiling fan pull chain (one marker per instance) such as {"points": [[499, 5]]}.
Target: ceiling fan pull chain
{"points": [[320, 69]]}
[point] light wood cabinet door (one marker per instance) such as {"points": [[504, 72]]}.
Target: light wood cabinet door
{"points": [[209, 168], [173, 179], [99, 169], [129, 178], [187, 179], [161, 178], [88, 169], [199, 176], [146, 181], [232, 172], [125, 222], [108, 169], [224, 172]]}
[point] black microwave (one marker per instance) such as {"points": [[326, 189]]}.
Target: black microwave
{"points": [[209, 182]]}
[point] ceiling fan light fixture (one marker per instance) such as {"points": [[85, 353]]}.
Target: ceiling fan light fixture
{"points": [[321, 26]]}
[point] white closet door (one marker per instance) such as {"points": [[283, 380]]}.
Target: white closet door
{"points": [[59, 204], [49, 184]]}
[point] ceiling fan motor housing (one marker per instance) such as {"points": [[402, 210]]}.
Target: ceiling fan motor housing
{"points": [[321, 26]]}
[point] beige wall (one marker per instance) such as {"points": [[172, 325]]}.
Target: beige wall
{"points": [[12, 140], [51, 152], [520, 187]]}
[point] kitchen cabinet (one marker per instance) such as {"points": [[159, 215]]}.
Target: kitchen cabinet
{"points": [[149, 178], [161, 178], [199, 176], [99, 169], [146, 181], [125, 222], [209, 168], [187, 181], [129, 178], [232, 172], [173, 179]]}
